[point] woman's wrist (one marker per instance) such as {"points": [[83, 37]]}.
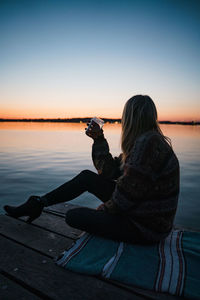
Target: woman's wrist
{"points": [[98, 137]]}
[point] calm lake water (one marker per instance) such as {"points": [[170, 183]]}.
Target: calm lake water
{"points": [[37, 157]]}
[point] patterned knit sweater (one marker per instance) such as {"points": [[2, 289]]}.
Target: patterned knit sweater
{"points": [[147, 187]]}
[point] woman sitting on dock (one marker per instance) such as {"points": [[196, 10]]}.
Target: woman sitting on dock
{"points": [[139, 189]]}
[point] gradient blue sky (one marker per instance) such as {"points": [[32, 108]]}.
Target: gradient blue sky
{"points": [[85, 58]]}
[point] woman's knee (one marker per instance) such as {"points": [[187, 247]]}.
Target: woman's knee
{"points": [[73, 216], [87, 173], [88, 179], [69, 217]]}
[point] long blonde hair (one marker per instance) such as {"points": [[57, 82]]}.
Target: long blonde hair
{"points": [[139, 116]]}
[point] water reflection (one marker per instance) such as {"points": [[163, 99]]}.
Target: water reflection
{"points": [[51, 126], [37, 157]]}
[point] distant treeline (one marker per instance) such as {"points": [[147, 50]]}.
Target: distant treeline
{"points": [[86, 120], [71, 120]]}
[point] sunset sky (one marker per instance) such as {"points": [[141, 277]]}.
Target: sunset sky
{"points": [[63, 59]]}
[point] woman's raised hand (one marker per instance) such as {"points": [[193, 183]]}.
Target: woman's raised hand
{"points": [[94, 130]]}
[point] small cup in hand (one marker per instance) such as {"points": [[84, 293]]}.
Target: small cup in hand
{"points": [[94, 128]]}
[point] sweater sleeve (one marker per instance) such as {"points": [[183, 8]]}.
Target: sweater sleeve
{"points": [[141, 175], [105, 164]]}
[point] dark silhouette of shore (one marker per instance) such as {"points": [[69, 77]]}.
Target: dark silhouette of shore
{"points": [[87, 119]]}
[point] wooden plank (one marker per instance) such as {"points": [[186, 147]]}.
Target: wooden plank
{"points": [[180, 227], [148, 294], [60, 208], [55, 224], [10, 290], [47, 242], [42, 274]]}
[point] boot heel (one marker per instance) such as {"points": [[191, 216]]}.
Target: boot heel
{"points": [[31, 219]]}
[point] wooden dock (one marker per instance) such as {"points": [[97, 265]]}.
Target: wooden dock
{"points": [[28, 271]]}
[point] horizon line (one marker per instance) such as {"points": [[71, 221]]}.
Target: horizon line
{"points": [[86, 119]]}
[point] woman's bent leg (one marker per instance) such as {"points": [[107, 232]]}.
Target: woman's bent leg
{"points": [[102, 223], [85, 181]]}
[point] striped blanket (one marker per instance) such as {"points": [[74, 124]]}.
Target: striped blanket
{"points": [[172, 266]]}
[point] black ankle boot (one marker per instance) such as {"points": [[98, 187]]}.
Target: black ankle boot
{"points": [[32, 207]]}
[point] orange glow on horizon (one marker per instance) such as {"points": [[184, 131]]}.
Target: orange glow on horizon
{"points": [[38, 114], [182, 115]]}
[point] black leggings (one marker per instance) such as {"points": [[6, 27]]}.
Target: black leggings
{"points": [[100, 222]]}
